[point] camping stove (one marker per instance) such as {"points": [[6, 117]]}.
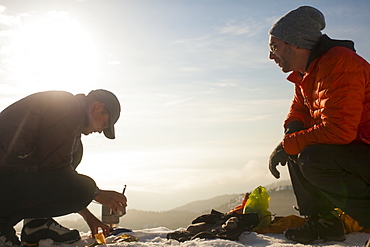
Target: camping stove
{"points": [[109, 218]]}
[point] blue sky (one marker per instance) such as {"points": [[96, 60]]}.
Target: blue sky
{"points": [[203, 106]]}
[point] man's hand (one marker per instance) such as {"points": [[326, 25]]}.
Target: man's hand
{"points": [[277, 156], [114, 200], [94, 223]]}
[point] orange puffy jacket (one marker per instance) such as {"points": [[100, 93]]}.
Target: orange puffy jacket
{"points": [[332, 99]]}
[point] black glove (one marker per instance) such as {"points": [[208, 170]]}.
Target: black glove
{"points": [[277, 156], [294, 126]]}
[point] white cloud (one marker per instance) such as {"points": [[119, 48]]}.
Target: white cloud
{"points": [[179, 101], [9, 20], [192, 69], [236, 28], [114, 62]]}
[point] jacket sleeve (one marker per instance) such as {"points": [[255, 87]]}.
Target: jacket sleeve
{"points": [[339, 104]]}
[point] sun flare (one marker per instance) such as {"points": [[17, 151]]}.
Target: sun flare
{"points": [[53, 53]]}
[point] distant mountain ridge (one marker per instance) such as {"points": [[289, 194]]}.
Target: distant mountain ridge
{"points": [[282, 201], [201, 206]]}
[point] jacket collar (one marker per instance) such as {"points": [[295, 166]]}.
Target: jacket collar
{"points": [[295, 77]]}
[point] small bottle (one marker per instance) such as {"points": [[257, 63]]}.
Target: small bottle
{"points": [[108, 218]]}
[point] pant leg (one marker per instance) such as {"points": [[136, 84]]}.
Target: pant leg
{"points": [[43, 194], [310, 199], [342, 174]]}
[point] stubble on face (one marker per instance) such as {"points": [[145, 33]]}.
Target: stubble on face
{"points": [[286, 58]]}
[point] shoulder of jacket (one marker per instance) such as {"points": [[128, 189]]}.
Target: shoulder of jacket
{"points": [[338, 59], [340, 51]]}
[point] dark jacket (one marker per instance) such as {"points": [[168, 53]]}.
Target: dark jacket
{"points": [[42, 132], [332, 98]]}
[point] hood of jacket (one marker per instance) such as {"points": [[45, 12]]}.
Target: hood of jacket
{"points": [[325, 43]]}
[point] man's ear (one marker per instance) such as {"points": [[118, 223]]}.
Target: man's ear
{"points": [[99, 106], [96, 106]]}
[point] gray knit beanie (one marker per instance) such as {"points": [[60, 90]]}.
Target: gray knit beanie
{"points": [[300, 27]]}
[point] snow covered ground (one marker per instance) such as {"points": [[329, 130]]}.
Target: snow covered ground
{"points": [[157, 237]]}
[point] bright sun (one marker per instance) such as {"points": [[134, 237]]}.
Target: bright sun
{"points": [[53, 53]]}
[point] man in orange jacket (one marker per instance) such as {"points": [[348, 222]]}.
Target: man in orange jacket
{"points": [[327, 130]]}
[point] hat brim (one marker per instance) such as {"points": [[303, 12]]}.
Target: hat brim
{"points": [[109, 132]]}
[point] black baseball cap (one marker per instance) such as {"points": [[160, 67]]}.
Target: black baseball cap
{"points": [[113, 107]]}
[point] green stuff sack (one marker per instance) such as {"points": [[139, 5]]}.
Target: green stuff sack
{"points": [[258, 202]]}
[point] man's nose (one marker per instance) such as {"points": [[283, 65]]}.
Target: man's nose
{"points": [[272, 55]]}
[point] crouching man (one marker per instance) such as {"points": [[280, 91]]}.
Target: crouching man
{"points": [[327, 130], [40, 147]]}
